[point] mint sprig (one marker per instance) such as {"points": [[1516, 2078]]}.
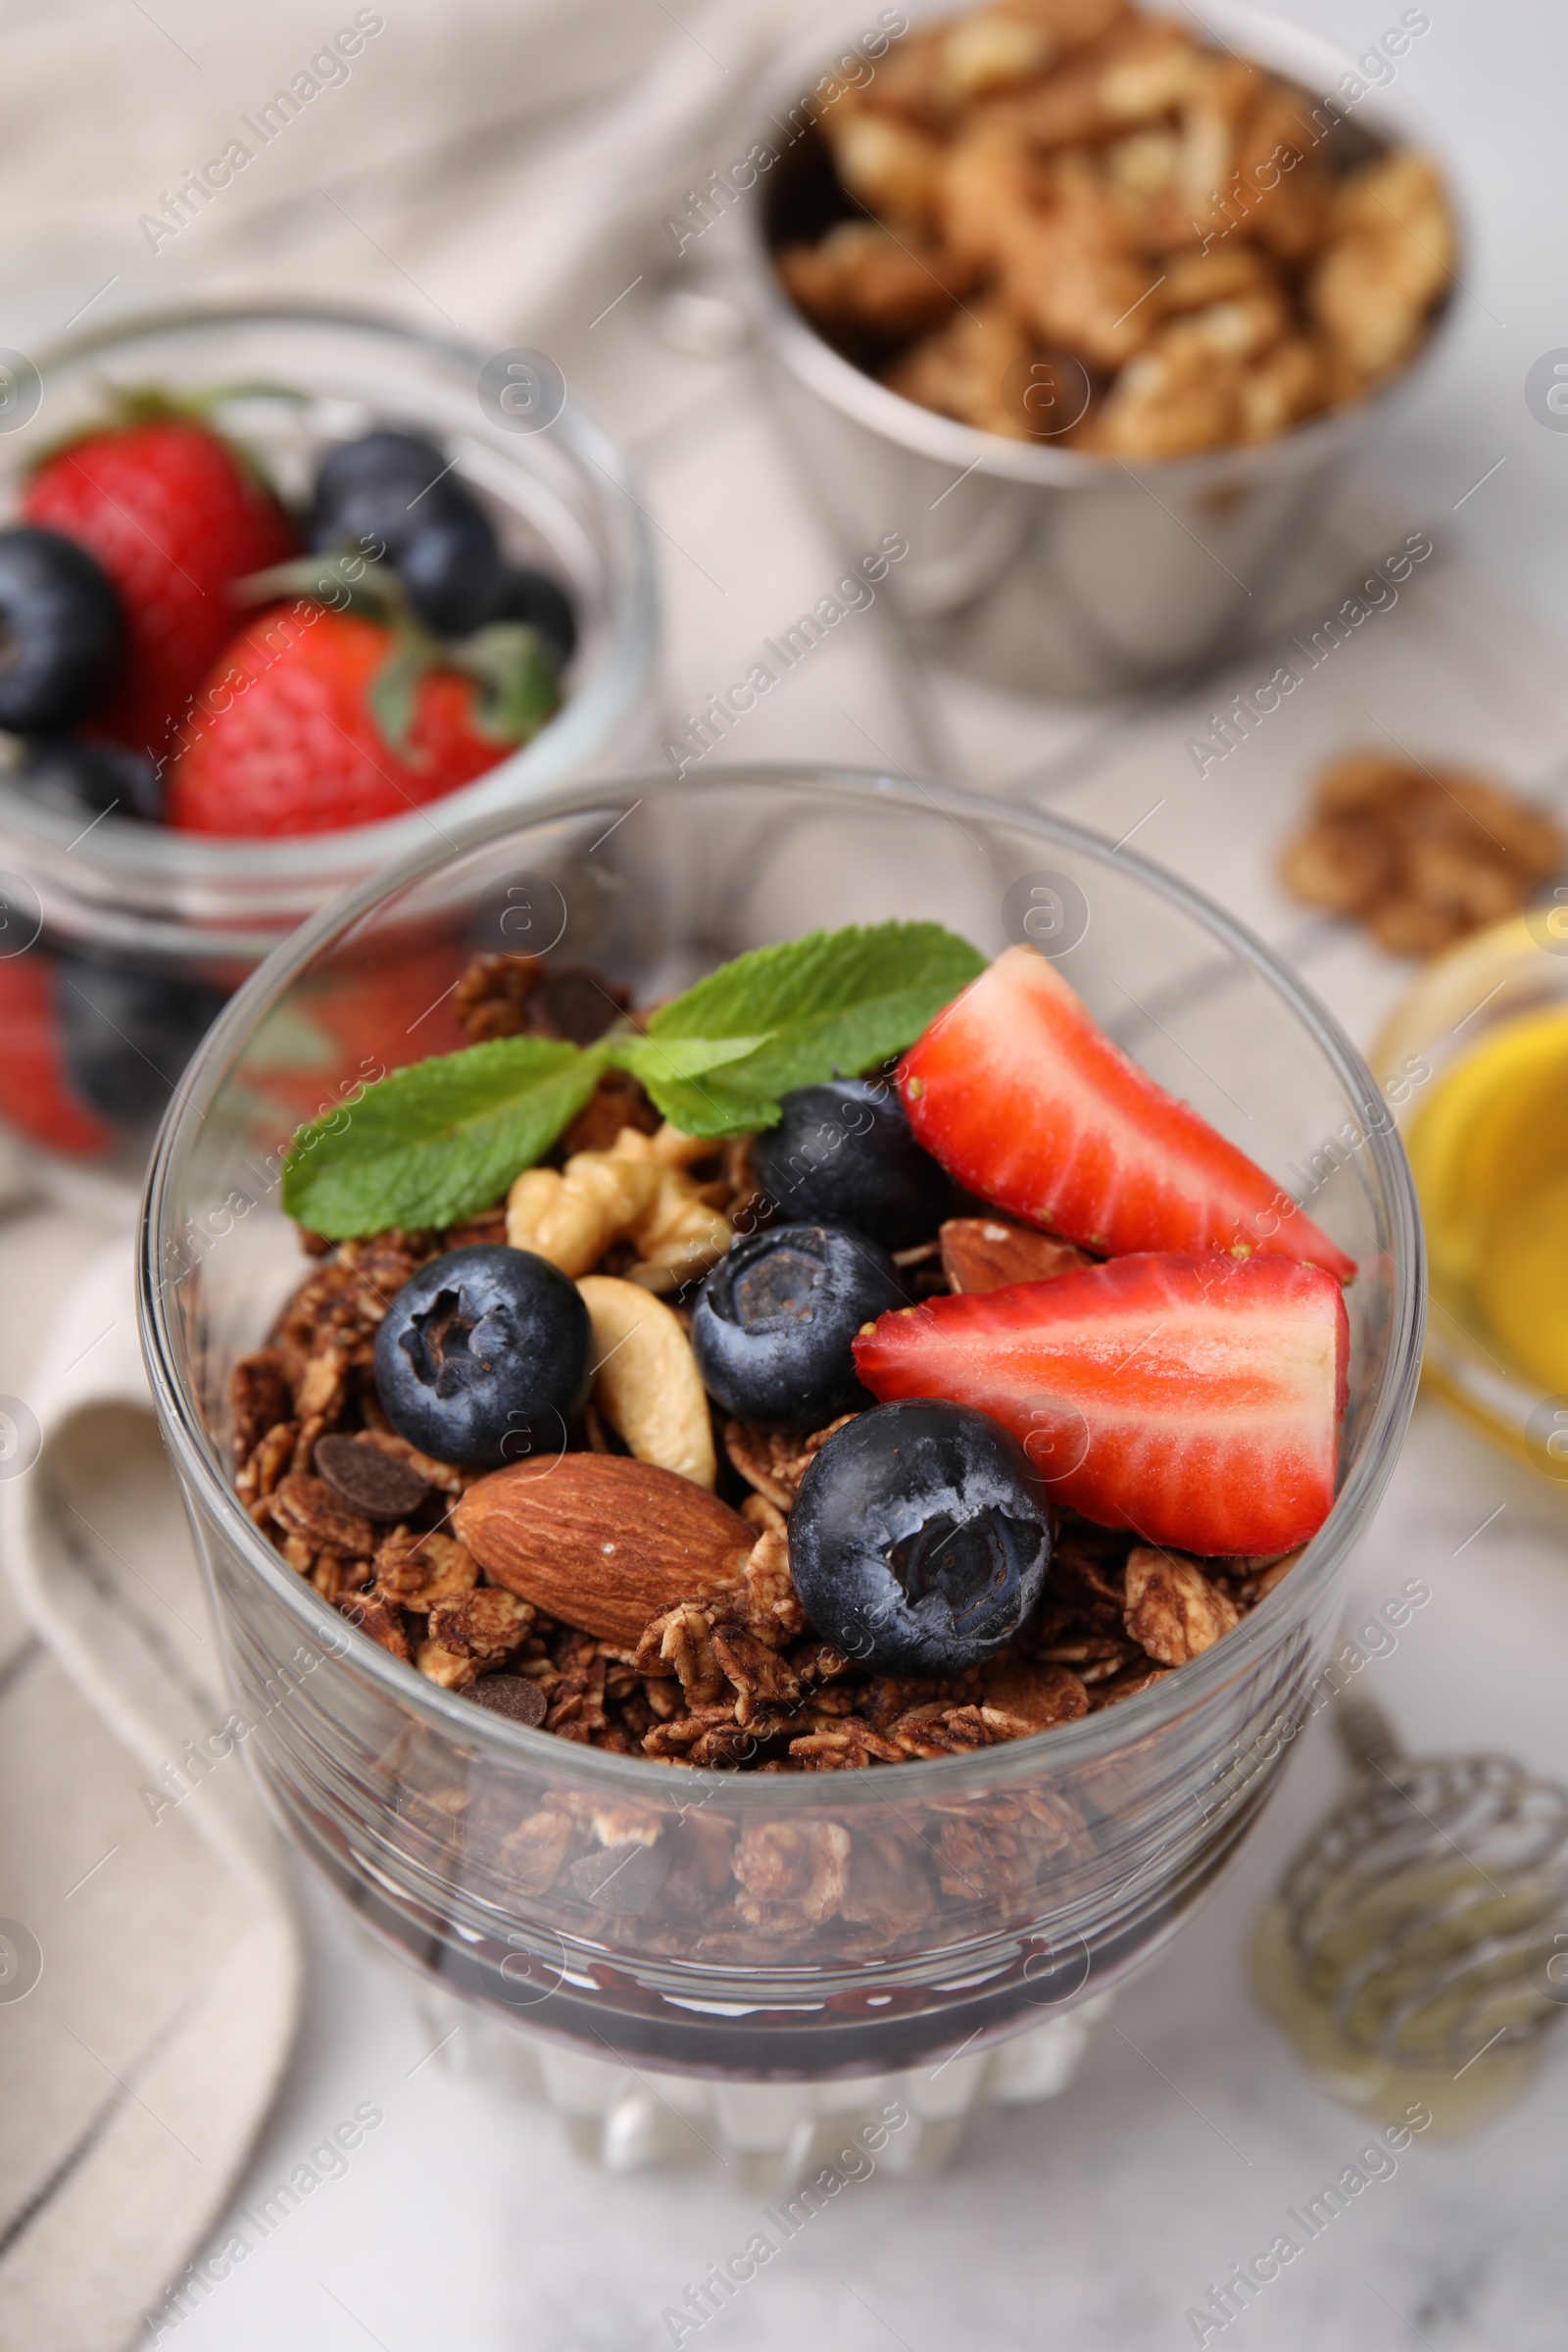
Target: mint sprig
{"points": [[441, 1139]]}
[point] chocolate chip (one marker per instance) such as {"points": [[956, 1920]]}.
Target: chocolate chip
{"points": [[511, 1696], [378, 1484], [621, 1877], [573, 1000]]}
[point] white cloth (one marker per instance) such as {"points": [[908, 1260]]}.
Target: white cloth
{"points": [[139, 2066], [479, 164]]}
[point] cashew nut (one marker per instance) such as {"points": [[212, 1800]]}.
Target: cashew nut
{"points": [[645, 1380]]}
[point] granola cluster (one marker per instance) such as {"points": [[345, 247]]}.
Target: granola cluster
{"points": [[733, 1676], [1064, 219], [1422, 856]]}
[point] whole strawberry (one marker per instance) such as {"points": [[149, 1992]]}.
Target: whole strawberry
{"points": [[314, 720], [173, 517]]}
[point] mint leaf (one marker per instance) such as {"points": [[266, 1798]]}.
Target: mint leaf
{"points": [[706, 1107], [438, 1140], [832, 1004], [666, 1060]]}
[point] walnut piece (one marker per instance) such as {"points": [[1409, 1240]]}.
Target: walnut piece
{"points": [[638, 1190], [1084, 226], [1421, 854]]}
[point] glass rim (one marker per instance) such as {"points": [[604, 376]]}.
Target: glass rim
{"points": [[123, 848], [1091, 1737]]}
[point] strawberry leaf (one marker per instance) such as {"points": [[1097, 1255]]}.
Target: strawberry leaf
{"points": [[518, 685], [438, 1140], [343, 577], [393, 694]]}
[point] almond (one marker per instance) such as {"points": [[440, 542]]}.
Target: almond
{"points": [[982, 1253], [602, 1542]]}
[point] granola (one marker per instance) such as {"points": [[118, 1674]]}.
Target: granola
{"points": [[734, 1678]]}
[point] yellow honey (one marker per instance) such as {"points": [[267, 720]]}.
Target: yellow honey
{"points": [[1489, 1149]]}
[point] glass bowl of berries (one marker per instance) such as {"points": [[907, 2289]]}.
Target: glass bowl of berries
{"points": [[283, 593], [782, 1525]]}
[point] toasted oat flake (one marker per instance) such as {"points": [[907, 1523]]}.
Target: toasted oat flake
{"points": [[1174, 1612], [791, 1873]]}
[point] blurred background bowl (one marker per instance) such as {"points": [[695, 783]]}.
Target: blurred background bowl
{"points": [[1040, 569], [131, 932]]}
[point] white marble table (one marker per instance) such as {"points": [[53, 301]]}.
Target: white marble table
{"points": [[1092, 2223]]}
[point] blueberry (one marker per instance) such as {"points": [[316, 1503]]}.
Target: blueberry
{"points": [[774, 1324], [396, 493], [845, 1153], [451, 569], [62, 632], [125, 1036], [89, 779], [532, 596], [921, 1538], [482, 1356], [382, 474]]}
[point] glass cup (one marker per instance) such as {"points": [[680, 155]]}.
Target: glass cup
{"points": [[119, 940], [767, 1927]]}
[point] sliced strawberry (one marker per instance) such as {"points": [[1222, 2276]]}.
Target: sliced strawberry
{"points": [[1024, 1099], [1194, 1399], [174, 518]]}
